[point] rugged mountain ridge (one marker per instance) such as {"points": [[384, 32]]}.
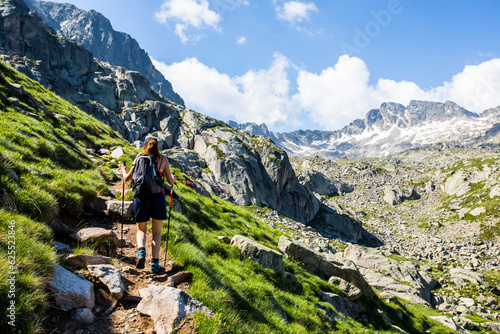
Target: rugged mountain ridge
{"points": [[96, 33], [392, 128]]}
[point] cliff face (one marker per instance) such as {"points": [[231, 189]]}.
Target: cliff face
{"points": [[95, 32]]}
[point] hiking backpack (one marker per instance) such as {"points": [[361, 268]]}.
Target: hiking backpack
{"points": [[145, 180]]}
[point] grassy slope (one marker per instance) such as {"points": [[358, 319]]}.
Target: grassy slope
{"points": [[58, 180]]}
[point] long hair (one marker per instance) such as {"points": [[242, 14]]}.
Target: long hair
{"points": [[151, 148]]}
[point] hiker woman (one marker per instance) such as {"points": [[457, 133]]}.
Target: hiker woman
{"points": [[152, 205]]}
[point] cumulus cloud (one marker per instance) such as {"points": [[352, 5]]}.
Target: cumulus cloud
{"points": [[332, 98], [342, 93], [295, 11], [241, 40], [188, 14], [261, 96]]}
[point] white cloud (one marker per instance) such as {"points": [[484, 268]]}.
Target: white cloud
{"points": [[342, 93], [241, 40], [188, 14], [332, 99], [261, 96], [295, 11]]}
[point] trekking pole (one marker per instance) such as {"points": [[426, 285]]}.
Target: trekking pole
{"points": [[123, 204], [168, 224]]}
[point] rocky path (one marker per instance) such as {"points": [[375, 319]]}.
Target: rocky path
{"points": [[111, 312]]}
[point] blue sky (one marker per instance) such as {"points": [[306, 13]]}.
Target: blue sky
{"points": [[310, 64]]}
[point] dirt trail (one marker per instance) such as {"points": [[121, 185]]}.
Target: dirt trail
{"points": [[121, 316]]}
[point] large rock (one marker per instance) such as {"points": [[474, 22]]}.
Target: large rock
{"points": [[457, 184], [343, 225], [398, 195], [325, 267], [409, 272], [96, 234], [343, 305], [71, 291], [351, 292], [317, 182], [115, 207], [168, 306], [84, 260], [264, 256], [467, 275], [449, 322], [109, 276]]}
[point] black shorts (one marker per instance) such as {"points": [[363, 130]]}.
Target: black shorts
{"points": [[155, 208]]}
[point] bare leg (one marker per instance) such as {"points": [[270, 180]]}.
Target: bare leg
{"points": [[156, 243], [142, 228]]}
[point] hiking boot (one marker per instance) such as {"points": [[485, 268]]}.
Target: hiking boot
{"points": [[156, 268], [141, 259]]}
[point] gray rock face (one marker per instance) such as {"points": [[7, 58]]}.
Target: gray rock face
{"points": [[168, 306], [252, 170], [421, 282], [95, 32], [95, 234], [323, 267], [71, 291], [457, 184], [343, 305], [264, 256], [109, 276]]}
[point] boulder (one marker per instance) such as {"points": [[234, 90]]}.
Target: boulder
{"points": [[388, 284], [115, 207], [343, 305], [109, 276], [398, 195], [71, 291], [350, 291], [420, 280], [168, 306], [180, 277], [84, 260], [457, 184], [317, 182], [448, 322], [96, 234], [342, 224], [264, 256], [325, 267], [492, 326], [117, 153], [478, 211]]}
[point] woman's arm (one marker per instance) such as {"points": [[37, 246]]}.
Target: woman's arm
{"points": [[166, 171], [126, 176]]}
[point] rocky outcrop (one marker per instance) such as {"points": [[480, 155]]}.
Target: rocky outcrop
{"points": [[264, 256], [457, 184], [168, 306], [398, 195], [117, 208], [385, 274], [95, 32], [71, 291], [324, 266]]}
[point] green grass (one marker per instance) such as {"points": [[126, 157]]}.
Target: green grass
{"points": [[240, 292], [35, 259], [56, 180]]}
